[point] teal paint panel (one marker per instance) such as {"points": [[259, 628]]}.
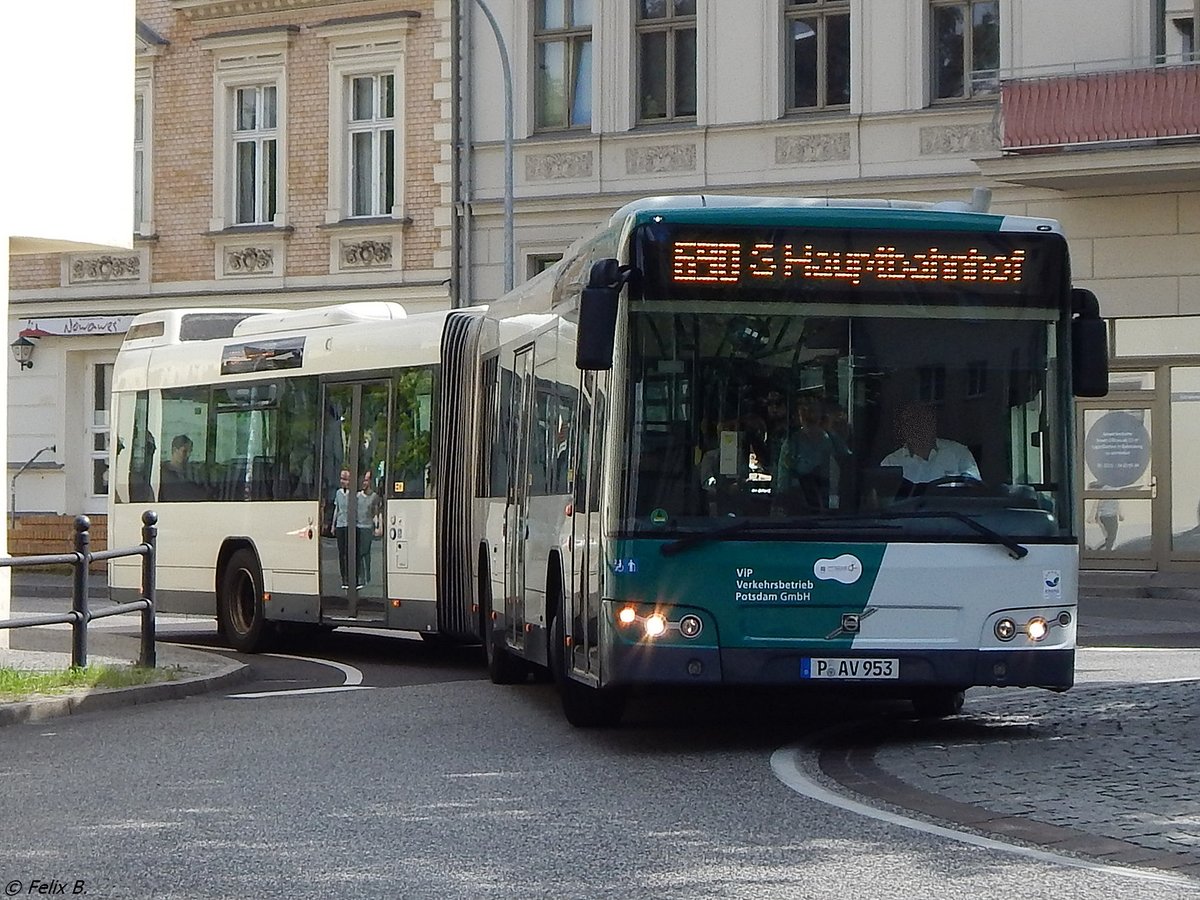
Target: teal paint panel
{"points": [[759, 593]]}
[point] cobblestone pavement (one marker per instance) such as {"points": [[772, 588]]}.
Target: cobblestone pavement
{"points": [[1110, 769]]}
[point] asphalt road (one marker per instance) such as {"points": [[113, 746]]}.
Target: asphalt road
{"points": [[380, 766]]}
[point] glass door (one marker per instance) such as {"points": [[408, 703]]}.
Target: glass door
{"points": [[354, 448], [1122, 516]]}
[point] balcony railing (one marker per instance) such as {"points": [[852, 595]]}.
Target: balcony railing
{"points": [[1100, 108]]}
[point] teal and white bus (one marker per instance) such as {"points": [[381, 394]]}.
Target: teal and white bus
{"points": [[690, 466], [724, 441]]}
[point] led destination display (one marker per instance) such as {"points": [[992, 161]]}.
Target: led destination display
{"points": [[718, 262], [739, 263]]}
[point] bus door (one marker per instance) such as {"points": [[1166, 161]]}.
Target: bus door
{"points": [[582, 604], [354, 447], [516, 514]]}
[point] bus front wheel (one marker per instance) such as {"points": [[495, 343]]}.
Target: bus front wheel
{"points": [[583, 706], [240, 612], [938, 703]]}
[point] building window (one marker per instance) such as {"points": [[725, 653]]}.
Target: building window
{"points": [[818, 52], [1174, 35], [931, 384], [255, 154], [372, 144], [100, 378], [140, 169], [537, 263], [965, 43], [666, 50], [977, 372], [563, 56]]}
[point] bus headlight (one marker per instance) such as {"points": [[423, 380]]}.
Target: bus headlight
{"points": [[1006, 629], [655, 625], [1036, 628], [627, 615]]}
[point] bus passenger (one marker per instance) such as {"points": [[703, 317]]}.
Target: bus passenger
{"points": [[802, 474], [340, 522], [923, 456], [176, 478], [369, 524]]}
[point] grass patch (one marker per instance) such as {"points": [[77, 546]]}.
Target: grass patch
{"points": [[18, 684]]}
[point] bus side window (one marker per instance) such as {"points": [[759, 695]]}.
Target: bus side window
{"points": [[412, 434], [142, 452]]}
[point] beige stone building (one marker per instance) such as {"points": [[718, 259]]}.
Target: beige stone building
{"points": [[1081, 110], [285, 155]]}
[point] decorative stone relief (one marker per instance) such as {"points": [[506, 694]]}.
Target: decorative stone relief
{"points": [[551, 166], [249, 260], [811, 148], [941, 139], [661, 158], [366, 254], [88, 269]]}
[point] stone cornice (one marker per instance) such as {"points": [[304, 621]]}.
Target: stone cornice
{"points": [[198, 10]]}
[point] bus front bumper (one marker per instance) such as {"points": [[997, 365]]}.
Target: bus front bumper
{"points": [[647, 664]]}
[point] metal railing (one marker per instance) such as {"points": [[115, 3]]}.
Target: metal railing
{"points": [[81, 613]]}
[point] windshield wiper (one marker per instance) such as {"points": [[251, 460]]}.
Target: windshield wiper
{"points": [[746, 525], [1015, 550]]}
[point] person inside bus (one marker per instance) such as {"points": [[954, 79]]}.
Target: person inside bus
{"points": [[922, 456], [176, 481], [339, 522], [368, 513], [802, 473]]}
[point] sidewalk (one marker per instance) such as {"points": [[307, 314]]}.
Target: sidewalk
{"points": [[197, 671], [1107, 770]]}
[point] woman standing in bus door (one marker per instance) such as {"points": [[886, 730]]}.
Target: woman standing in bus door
{"points": [[340, 521]]}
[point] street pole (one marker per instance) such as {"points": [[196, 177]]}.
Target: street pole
{"points": [[508, 146]]}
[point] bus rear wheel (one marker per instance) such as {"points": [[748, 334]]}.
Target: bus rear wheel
{"points": [[240, 612], [583, 706], [503, 667], [938, 703]]}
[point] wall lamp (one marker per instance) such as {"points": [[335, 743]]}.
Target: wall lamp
{"points": [[22, 351]]}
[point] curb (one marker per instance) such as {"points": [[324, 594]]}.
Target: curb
{"points": [[112, 698]]}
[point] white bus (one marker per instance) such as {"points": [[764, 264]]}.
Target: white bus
{"points": [[288, 456]]}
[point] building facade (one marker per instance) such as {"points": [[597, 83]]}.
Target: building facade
{"points": [[284, 155], [1095, 125]]}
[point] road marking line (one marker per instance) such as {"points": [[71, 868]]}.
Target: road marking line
{"points": [[787, 770], [291, 693], [353, 676]]}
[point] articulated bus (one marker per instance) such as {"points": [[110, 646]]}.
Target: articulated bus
{"points": [[724, 441], [289, 459]]}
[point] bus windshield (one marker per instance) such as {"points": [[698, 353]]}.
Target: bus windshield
{"points": [[872, 416]]}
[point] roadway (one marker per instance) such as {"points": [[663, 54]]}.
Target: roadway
{"points": [[374, 765]]}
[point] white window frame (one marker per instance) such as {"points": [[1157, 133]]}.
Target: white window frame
{"points": [[572, 37], [143, 155], [969, 92], [822, 11], [670, 25], [376, 126], [358, 49], [261, 137], [254, 60]]}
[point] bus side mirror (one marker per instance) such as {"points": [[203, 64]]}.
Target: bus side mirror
{"points": [[597, 332], [1089, 346]]}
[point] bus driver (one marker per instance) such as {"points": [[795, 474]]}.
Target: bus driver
{"points": [[923, 456]]}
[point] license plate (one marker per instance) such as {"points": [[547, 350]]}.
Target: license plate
{"points": [[849, 669]]}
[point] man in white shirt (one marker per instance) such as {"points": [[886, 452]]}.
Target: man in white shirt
{"points": [[923, 456]]}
